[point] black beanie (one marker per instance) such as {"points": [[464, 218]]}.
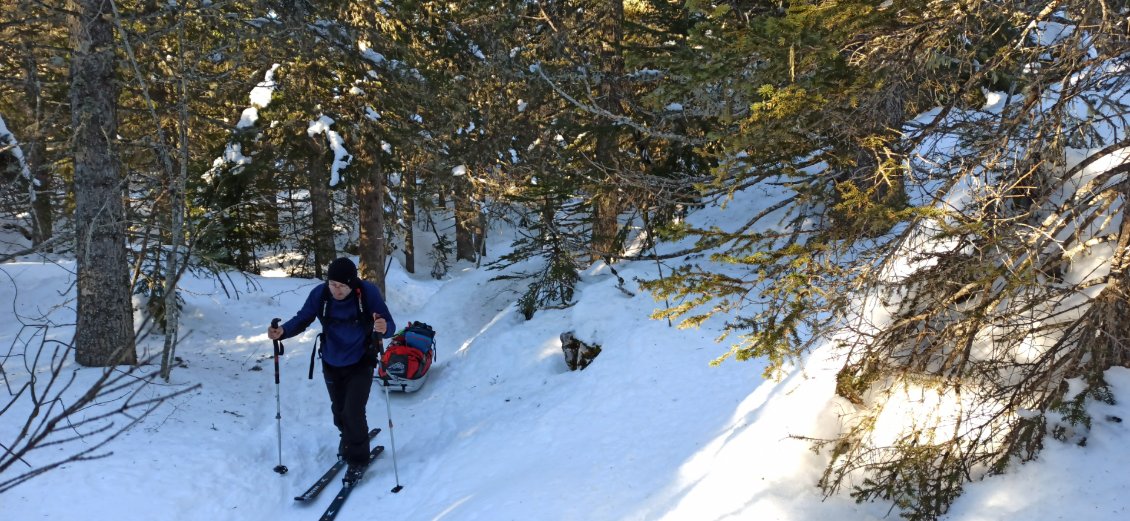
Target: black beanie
{"points": [[342, 270]]}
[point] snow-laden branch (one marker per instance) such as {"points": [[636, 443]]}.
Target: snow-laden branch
{"points": [[9, 143], [342, 157], [259, 97]]}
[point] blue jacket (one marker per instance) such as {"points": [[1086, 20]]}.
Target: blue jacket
{"points": [[347, 334]]}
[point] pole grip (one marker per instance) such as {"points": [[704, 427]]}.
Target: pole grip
{"points": [[278, 343], [278, 350]]}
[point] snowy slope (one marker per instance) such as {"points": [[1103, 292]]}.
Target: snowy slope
{"points": [[502, 430]]}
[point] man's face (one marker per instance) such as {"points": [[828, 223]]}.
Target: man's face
{"points": [[339, 290]]}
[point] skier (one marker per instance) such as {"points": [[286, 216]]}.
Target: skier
{"points": [[349, 309]]}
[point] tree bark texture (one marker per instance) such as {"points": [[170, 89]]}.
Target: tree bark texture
{"points": [[34, 151], [466, 220], [176, 218], [104, 333], [408, 186], [606, 198], [322, 231], [371, 198]]}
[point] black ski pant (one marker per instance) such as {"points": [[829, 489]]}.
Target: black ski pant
{"points": [[349, 392]]}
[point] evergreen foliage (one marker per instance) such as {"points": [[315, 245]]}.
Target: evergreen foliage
{"points": [[440, 254], [551, 245], [935, 171], [821, 93]]}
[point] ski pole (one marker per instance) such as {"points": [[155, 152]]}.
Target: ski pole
{"points": [[379, 342], [281, 469]]}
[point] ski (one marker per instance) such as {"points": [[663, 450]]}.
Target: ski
{"points": [[320, 485], [346, 489]]}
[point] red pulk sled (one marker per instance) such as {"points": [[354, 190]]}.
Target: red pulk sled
{"points": [[405, 362]]}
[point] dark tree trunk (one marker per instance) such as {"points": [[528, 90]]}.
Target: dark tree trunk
{"points": [[104, 330], [481, 237], [605, 211], [606, 199], [321, 207], [548, 213], [409, 197], [371, 197], [270, 208], [466, 220], [34, 150]]}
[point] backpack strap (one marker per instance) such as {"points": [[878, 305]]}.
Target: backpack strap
{"points": [[317, 349], [324, 308], [363, 314]]}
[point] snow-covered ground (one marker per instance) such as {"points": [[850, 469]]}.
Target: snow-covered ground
{"points": [[502, 430]]}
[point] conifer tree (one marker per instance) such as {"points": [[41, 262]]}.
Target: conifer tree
{"points": [[104, 329], [30, 42], [810, 97]]}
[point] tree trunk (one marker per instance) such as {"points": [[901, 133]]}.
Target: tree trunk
{"points": [[176, 220], [548, 213], [409, 198], [466, 219], [606, 198], [605, 224], [104, 330], [371, 197], [321, 206], [34, 150], [481, 238]]}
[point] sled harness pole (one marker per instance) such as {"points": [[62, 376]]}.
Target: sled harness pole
{"points": [[281, 469], [378, 342]]}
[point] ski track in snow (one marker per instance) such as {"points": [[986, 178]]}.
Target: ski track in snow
{"points": [[502, 430]]}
